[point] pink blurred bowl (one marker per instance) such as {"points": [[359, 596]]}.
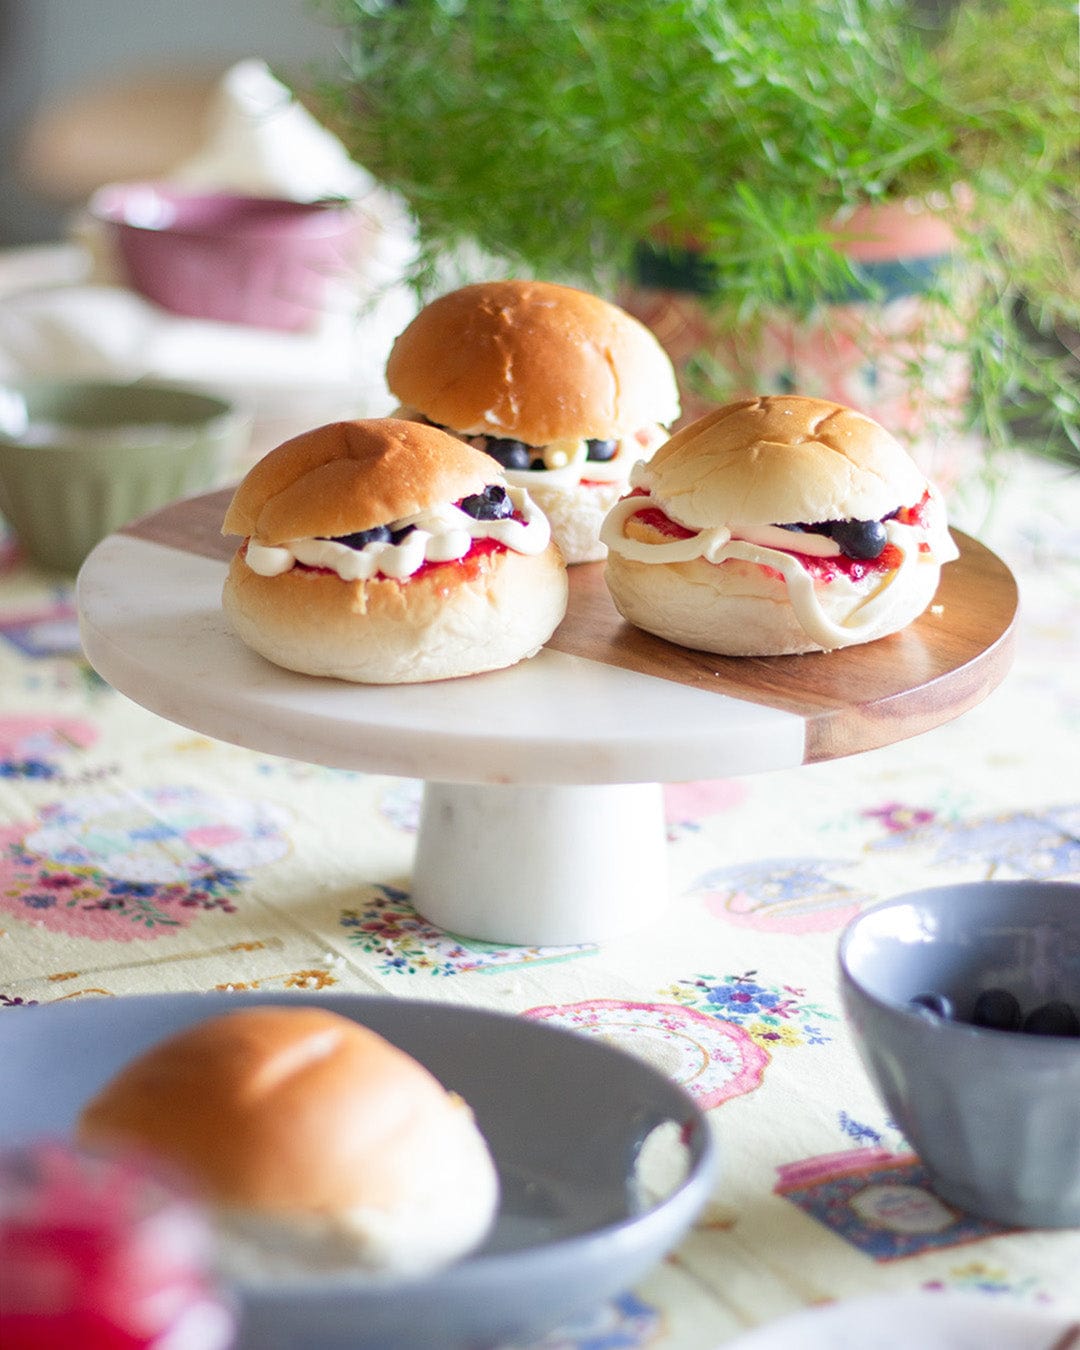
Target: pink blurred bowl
{"points": [[228, 257]]}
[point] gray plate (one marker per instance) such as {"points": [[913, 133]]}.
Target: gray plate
{"points": [[564, 1116]]}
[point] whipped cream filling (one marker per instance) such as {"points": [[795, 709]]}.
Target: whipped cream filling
{"points": [[566, 462], [439, 534], [873, 599]]}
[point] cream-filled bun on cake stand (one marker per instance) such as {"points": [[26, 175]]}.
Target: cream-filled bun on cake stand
{"points": [[387, 552], [776, 526], [565, 390]]}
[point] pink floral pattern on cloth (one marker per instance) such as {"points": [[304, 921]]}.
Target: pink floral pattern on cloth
{"points": [[712, 1059], [781, 895], [51, 630], [688, 805], [31, 746], [119, 866]]}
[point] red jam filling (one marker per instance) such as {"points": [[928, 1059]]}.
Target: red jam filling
{"points": [[663, 524], [821, 569], [467, 568], [828, 569], [919, 514]]}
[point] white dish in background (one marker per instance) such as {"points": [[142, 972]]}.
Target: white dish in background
{"points": [[917, 1321], [565, 1116]]}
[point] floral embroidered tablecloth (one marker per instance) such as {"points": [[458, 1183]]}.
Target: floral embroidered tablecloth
{"points": [[137, 856]]}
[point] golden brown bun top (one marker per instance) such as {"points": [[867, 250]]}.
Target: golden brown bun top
{"points": [[278, 1109], [349, 476], [781, 460], [533, 361]]}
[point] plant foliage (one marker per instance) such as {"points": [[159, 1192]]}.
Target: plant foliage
{"points": [[557, 134]]}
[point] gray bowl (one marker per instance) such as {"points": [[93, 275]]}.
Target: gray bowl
{"points": [[993, 1115], [566, 1117]]}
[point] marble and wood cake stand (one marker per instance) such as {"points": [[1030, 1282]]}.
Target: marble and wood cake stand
{"points": [[542, 816]]}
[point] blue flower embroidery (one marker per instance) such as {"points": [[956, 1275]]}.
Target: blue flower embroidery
{"points": [[137, 889], [27, 768], [35, 900], [743, 999]]}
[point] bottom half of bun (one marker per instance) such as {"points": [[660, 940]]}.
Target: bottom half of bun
{"points": [[738, 608], [456, 619]]}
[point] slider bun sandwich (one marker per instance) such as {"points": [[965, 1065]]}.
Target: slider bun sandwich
{"points": [[384, 551], [773, 526], [315, 1143], [563, 389]]}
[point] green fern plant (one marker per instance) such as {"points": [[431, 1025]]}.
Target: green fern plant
{"points": [[557, 135]]}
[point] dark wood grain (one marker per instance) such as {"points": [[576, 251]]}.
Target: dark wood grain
{"points": [[854, 699], [851, 700], [192, 525]]}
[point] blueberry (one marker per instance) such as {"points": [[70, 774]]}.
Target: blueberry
{"points": [[601, 451], [940, 1005], [865, 539], [398, 535], [996, 1009], [510, 454], [492, 504], [1052, 1019], [797, 529], [378, 534]]}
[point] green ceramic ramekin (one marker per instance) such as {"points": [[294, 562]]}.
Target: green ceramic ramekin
{"points": [[79, 459]]}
